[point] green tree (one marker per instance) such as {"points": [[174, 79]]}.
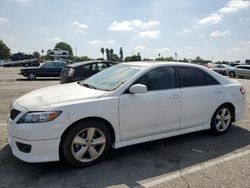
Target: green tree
{"points": [[102, 50], [133, 58], [114, 57], [4, 50], [247, 61], [65, 46], [36, 54]]}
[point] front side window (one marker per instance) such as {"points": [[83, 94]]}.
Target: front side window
{"points": [[159, 78], [191, 76]]}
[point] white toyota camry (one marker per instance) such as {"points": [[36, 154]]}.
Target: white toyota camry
{"points": [[126, 104]]}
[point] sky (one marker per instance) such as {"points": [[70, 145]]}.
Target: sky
{"points": [[212, 29]]}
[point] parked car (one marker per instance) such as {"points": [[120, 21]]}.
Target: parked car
{"points": [[221, 68], [47, 69], [57, 51], [126, 104], [1, 62], [239, 70], [82, 70], [21, 56]]}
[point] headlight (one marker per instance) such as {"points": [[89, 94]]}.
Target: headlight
{"points": [[38, 117], [71, 72]]}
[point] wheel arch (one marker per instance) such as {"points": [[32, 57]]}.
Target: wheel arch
{"points": [[94, 118]]}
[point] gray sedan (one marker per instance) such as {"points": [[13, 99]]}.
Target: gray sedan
{"points": [[239, 70]]}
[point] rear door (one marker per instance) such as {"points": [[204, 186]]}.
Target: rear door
{"points": [[201, 95]]}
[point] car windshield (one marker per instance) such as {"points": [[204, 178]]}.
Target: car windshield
{"points": [[111, 78]]}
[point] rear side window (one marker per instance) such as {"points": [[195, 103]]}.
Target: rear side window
{"points": [[191, 77]]}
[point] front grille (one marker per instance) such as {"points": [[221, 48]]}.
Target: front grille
{"points": [[14, 113]]}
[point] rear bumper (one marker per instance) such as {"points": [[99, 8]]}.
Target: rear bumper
{"points": [[41, 150]]}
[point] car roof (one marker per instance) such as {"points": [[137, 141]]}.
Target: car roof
{"points": [[89, 62], [242, 65]]}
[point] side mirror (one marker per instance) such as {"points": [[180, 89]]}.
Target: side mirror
{"points": [[138, 89]]}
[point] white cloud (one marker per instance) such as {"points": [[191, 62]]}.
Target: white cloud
{"points": [[149, 34], [235, 6], [3, 20], [161, 50], [111, 42], [211, 19], [80, 25], [22, 1], [99, 42], [189, 48], [185, 31], [245, 43], [131, 25], [219, 33], [140, 47], [54, 39], [95, 42]]}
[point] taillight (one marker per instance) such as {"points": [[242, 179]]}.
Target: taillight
{"points": [[242, 90], [71, 72]]}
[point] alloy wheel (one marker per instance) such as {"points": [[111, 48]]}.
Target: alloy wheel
{"points": [[88, 144], [223, 119]]}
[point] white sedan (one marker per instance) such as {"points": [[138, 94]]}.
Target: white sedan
{"points": [[57, 52], [126, 104]]}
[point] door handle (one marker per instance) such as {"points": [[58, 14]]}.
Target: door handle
{"points": [[174, 96]]}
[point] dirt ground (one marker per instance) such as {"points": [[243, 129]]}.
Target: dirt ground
{"points": [[132, 166]]}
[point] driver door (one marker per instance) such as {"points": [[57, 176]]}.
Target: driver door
{"points": [[156, 111]]}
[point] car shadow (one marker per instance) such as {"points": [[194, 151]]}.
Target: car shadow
{"points": [[125, 166], [38, 79]]}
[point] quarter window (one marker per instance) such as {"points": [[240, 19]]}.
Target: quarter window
{"points": [[159, 78]]}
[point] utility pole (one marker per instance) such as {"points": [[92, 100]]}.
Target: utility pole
{"points": [[76, 51]]}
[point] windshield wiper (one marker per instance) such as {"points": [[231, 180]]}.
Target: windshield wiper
{"points": [[89, 86]]}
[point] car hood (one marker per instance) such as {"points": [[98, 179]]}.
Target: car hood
{"points": [[56, 95]]}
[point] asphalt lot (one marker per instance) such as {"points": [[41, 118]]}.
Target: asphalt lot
{"points": [[192, 160]]}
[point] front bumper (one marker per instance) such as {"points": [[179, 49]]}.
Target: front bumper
{"points": [[41, 141], [41, 150]]}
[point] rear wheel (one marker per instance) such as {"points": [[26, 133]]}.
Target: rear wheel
{"points": [[86, 143], [31, 76], [231, 74], [221, 120]]}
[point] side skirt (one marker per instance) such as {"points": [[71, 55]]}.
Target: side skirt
{"points": [[160, 136]]}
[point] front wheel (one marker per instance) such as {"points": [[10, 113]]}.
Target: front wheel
{"points": [[221, 120], [31, 76], [86, 143]]}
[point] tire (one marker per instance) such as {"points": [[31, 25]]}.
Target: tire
{"points": [[31, 76], [231, 74], [221, 120], [78, 146]]}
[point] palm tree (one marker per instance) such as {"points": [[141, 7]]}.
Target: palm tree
{"points": [[107, 53], [102, 50]]}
